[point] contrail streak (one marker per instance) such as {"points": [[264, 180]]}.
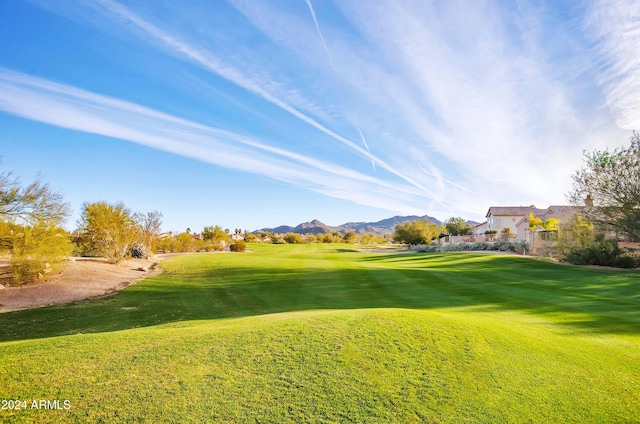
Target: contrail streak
{"points": [[324, 43], [207, 60], [363, 140], [373, 162]]}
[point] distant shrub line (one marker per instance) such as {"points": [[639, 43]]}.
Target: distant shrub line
{"points": [[502, 246]]}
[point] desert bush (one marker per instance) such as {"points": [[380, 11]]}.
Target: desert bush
{"points": [[293, 238], [424, 248], [165, 245], [504, 246], [139, 251], [349, 237], [109, 228], [415, 232], [520, 246], [38, 249], [479, 246], [449, 248], [625, 261], [601, 252], [499, 245], [238, 246], [278, 240]]}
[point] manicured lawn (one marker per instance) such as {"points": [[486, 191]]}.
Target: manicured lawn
{"points": [[323, 333]]}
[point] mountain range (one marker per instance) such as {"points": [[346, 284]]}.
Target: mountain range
{"points": [[386, 226]]}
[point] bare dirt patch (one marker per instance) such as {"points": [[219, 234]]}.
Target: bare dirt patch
{"points": [[83, 278]]}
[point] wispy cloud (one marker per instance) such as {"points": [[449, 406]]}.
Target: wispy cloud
{"points": [[463, 107], [69, 107], [616, 27], [210, 62]]}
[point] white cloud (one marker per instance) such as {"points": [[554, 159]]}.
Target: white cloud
{"points": [[616, 27], [69, 107], [464, 106]]}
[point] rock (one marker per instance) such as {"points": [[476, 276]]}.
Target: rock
{"points": [[143, 269]]}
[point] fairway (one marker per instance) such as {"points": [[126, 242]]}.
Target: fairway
{"points": [[325, 333]]}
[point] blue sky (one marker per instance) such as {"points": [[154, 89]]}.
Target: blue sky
{"points": [[250, 114]]}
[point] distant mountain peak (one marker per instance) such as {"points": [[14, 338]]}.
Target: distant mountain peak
{"points": [[385, 226]]}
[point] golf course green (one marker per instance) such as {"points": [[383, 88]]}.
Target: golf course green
{"points": [[327, 333]]}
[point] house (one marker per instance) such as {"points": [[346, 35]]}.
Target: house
{"points": [[501, 217], [480, 228], [516, 218]]}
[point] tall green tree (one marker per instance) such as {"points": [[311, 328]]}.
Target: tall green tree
{"points": [[611, 182], [457, 226]]}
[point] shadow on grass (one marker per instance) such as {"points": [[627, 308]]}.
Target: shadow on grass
{"points": [[585, 299]]}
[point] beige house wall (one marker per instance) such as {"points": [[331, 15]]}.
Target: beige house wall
{"points": [[500, 222]]}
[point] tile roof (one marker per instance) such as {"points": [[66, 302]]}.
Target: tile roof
{"points": [[513, 210]]}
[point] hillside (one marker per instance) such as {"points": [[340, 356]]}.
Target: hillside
{"points": [[385, 226]]}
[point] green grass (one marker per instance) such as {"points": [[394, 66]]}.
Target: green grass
{"points": [[322, 333]]}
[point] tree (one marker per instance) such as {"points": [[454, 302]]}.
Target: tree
{"points": [[610, 183], [416, 232], [38, 249], [551, 224], [534, 222], [149, 225], [575, 235], [184, 242], [215, 234], [457, 226], [109, 229], [349, 237], [31, 204], [293, 238], [29, 227]]}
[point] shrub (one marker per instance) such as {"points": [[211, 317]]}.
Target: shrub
{"points": [[139, 251], [601, 252], [625, 261], [250, 237], [37, 250], [293, 238], [109, 229], [450, 248], [520, 246], [238, 246], [424, 248], [479, 246], [278, 240]]}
